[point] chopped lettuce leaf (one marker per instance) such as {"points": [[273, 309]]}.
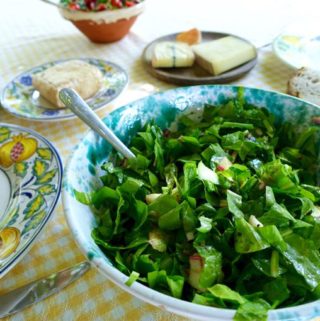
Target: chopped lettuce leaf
{"points": [[223, 212]]}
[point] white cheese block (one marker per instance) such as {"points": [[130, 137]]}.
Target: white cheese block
{"points": [[223, 54], [79, 75], [169, 54]]}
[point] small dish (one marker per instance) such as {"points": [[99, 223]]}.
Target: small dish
{"points": [[21, 99], [299, 47], [104, 26], [30, 180], [194, 75]]}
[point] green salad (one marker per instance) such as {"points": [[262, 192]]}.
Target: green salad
{"points": [[222, 212]]}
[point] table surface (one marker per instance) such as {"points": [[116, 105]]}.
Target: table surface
{"points": [[33, 33]]}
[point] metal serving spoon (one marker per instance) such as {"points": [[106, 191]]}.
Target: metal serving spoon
{"points": [[35, 291], [56, 3], [73, 101]]}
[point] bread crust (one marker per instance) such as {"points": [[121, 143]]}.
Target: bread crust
{"points": [[305, 84]]}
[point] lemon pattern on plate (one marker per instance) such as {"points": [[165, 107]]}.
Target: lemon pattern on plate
{"points": [[9, 240], [33, 172]]}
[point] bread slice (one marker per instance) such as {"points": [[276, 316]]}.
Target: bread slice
{"points": [[305, 84], [191, 37], [79, 75]]}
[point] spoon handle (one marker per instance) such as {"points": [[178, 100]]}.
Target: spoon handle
{"points": [[73, 101], [54, 3]]}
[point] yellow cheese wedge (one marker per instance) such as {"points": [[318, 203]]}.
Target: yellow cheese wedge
{"points": [[223, 54], [191, 37], [169, 54]]}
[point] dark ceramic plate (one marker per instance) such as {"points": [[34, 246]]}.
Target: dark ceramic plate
{"points": [[194, 75]]}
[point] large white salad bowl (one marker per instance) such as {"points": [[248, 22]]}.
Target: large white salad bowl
{"points": [[83, 172]]}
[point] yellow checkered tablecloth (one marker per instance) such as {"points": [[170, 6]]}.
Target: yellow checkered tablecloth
{"points": [[32, 33]]}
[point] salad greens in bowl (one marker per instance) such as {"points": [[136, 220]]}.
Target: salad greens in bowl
{"points": [[217, 217]]}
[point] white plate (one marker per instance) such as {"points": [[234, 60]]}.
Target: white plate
{"points": [[299, 45], [21, 99]]}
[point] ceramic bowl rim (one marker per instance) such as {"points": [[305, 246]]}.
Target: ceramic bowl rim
{"points": [[109, 16]]}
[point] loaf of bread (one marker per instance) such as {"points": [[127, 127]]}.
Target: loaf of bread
{"points": [[79, 75], [191, 37], [170, 54], [223, 54], [305, 84]]}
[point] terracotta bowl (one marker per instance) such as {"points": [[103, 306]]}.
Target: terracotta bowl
{"points": [[104, 26]]}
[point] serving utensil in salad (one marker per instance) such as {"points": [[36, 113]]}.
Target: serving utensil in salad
{"points": [[73, 101], [55, 3]]}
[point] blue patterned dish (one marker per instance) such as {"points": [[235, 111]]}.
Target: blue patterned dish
{"points": [[30, 180], [21, 99], [299, 47], [83, 172]]}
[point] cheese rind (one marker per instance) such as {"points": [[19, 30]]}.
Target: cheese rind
{"points": [[79, 75], [223, 54], [191, 37], [169, 54]]}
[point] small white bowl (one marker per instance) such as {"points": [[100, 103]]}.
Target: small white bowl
{"points": [[299, 47]]}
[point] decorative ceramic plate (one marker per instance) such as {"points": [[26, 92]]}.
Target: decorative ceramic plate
{"points": [[299, 47], [30, 182], [82, 176], [21, 99], [194, 75]]}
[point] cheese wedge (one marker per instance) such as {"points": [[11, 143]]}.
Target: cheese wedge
{"points": [[79, 75], [221, 55], [191, 37], [169, 54]]}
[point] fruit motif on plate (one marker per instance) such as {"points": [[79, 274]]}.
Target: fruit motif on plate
{"points": [[18, 149], [9, 240], [30, 182]]}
